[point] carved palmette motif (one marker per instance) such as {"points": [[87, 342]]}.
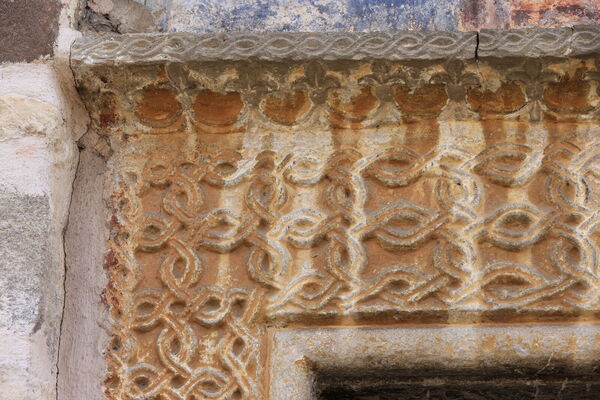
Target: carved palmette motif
{"points": [[234, 97], [210, 247]]}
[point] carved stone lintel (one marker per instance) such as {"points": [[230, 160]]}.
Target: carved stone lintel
{"points": [[263, 180], [184, 47]]}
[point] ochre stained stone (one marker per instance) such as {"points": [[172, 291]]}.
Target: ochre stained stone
{"points": [[217, 112], [456, 197], [286, 107], [158, 107], [424, 100], [507, 99], [349, 109], [569, 95]]}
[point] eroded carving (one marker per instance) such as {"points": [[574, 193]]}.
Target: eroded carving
{"points": [[256, 193], [399, 229], [354, 96]]}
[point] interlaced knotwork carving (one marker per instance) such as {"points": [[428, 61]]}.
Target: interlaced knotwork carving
{"points": [[212, 246]]}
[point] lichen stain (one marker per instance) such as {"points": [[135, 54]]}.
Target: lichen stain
{"points": [[287, 107]]}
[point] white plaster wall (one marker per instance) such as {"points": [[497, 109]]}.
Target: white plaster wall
{"points": [[40, 120]]}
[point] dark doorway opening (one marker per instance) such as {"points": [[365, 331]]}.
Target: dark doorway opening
{"points": [[536, 387]]}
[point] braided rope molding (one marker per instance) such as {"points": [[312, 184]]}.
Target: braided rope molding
{"points": [[273, 46], [558, 42], [406, 45]]}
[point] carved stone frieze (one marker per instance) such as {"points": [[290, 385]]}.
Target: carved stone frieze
{"points": [[229, 97], [292, 188]]}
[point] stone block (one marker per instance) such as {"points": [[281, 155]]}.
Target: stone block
{"points": [[585, 40], [28, 29], [37, 164], [525, 42], [184, 47]]}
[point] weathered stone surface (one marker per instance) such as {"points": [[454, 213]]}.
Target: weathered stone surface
{"points": [[310, 15], [23, 271], [304, 360], [184, 47], [586, 39], [559, 42], [369, 15], [28, 29], [256, 194], [85, 328], [40, 117], [525, 42], [123, 16], [31, 253], [229, 97], [408, 45], [516, 14], [24, 323], [250, 193]]}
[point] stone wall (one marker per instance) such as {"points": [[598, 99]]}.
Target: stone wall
{"points": [[50, 287], [40, 119]]}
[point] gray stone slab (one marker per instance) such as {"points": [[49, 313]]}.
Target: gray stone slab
{"points": [[525, 42], [183, 47], [25, 256], [585, 40], [272, 46]]}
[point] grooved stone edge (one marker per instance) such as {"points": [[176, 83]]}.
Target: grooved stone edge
{"points": [[559, 42], [273, 46], [406, 45]]}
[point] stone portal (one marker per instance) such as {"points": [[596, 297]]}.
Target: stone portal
{"points": [[264, 182]]}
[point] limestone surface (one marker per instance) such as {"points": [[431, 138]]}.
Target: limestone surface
{"points": [[258, 193]]}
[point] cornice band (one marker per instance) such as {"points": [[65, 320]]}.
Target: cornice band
{"points": [[406, 45]]}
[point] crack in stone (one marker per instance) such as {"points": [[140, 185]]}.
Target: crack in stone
{"points": [[64, 283]]}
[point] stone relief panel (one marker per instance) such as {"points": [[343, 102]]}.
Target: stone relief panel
{"points": [[237, 97], [249, 194]]}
